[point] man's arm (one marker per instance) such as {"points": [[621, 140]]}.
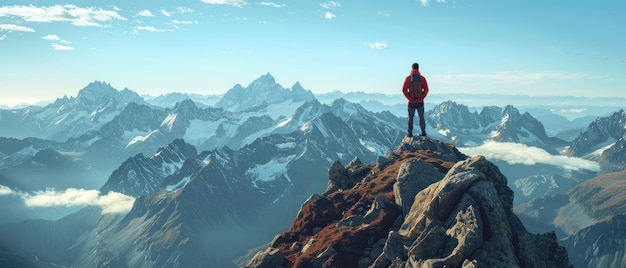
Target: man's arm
{"points": [[405, 87], [425, 87]]}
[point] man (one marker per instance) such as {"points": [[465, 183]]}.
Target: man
{"points": [[415, 90]]}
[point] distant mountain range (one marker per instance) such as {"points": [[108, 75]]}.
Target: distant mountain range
{"points": [[215, 179]]}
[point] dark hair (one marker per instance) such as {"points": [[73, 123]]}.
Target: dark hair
{"points": [[415, 66]]}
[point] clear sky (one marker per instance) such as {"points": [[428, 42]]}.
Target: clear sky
{"points": [[51, 48]]}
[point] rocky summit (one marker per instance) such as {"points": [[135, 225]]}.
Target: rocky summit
{"points": [[424, 205]]}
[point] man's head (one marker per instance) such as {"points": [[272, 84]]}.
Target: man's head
{"points": [[415, 66]]}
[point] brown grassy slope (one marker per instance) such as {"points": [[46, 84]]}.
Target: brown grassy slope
{"points": [[602, 196]]}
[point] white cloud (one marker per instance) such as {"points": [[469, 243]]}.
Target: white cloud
{"points": [[5, 190], [571, 111], [184, 10], [112, 202], [3, 37], [51, 37], [184, 22], [13, 27], [329, 5], [425, 2], [148, 29], [76, 15], [271, 4], [379, 45], [165, 13], [329, 15], [145, 13], [235, 3], [61, 47], [515, 153]]}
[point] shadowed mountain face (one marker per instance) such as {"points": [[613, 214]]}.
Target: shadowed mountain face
{"points": [[426, 205]]}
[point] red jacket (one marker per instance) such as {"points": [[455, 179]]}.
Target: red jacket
{"points": [[407, 85]]}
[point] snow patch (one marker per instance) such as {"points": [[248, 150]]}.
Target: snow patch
{"points": [[271, 170], [200, 131], [138, 139], [179, 185], [373, 147], [169, 121], [444, 132], [286, 145], [284, 122]]}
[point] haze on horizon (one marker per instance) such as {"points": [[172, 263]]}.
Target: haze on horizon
{"points": [[558, 48]]}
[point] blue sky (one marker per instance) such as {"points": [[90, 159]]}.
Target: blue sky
{"points": [[53, 48]]}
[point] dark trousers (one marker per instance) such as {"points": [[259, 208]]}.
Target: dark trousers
{"points": [[420, 111]]}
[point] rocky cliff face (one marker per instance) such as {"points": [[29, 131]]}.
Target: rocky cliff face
{"points": [[424, 205], [600, 245], [601, 132]]}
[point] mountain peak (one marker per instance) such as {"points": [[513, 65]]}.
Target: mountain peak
{"points": [[442, 209], [262, 91], [264, 80]]}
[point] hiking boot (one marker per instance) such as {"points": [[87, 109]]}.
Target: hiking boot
{"points": [[423, 134], [409, 135]]}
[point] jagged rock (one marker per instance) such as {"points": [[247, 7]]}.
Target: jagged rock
{"points": [[271, 257], [413, 176], [323, 257], [338, 177], [355, 162], [447, 150], [356, 171], [464, 217]]}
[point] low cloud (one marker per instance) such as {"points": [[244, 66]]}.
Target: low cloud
{"points": [[78, 16], [379, 45], [329, 16], [5, 190], [515, 153], [571, 111], [235, 3], [3, 37], [110, 203], [13, 27]]}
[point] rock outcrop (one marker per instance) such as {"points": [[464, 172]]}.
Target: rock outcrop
{"points": [[425, 205]]}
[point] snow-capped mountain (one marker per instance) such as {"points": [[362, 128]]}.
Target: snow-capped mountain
{"points": [[261, 92], [217, 204], [140, 175], [603, 140], [94, 106], [212, 182], [169, 100], [455, 123]]}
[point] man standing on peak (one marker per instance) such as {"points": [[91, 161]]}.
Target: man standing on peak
{"points": [[415, 90]]}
